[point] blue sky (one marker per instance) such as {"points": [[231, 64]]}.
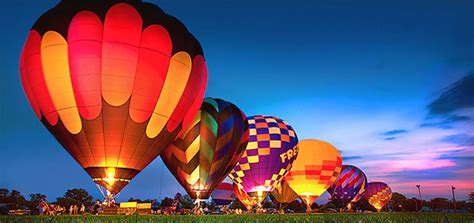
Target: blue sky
{"points": [[388, 83]]}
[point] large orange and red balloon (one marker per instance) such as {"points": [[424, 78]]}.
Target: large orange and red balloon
{"points": [[114, 82], [268, 157], [315, 169], [207, 150]]}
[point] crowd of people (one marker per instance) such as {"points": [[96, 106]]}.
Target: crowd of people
{"points": [[55, 209]]}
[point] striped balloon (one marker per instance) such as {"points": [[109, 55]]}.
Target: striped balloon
{"points": [[114, 82], [349, 185], [205, 152], [378, 194], [223, 194]]}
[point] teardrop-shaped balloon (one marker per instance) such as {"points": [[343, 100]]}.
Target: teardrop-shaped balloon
{"points": [[283, 193], [378, 194], [314, 170], [205, 152], [223, 194], [243, 197], [268, 157], [114, 82], [349, 185]]}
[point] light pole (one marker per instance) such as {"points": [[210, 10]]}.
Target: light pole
{"points": [[454, 198], [419, 193]]}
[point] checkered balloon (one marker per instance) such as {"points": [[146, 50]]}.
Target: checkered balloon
{"points": [[378, 194], [270, 151]]}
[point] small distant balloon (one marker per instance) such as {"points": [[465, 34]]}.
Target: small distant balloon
{"points": [[378, 194], [349, 185], [223, 194]]}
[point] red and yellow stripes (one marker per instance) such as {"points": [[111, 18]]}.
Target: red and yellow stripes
{"points": [[115, 85], [114, 62]]}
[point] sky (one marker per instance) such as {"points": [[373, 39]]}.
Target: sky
{"points": [[388, 83]]}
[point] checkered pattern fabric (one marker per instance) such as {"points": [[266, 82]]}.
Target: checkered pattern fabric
{"points": [[378, 194], [261, 164]]}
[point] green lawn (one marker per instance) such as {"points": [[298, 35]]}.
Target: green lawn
{"points": [[355, 217]]}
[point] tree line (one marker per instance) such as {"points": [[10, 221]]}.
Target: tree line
{"points": [[15, 200]]}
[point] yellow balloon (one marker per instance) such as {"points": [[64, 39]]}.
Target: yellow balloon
{"points": [[315, 169]]}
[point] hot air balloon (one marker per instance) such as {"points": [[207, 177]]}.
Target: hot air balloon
{"points": [[114, 82], [223, 194], [315, 169], [270, 151], [205, 152], [283, 194], [377, 194], [243, 197], [349, 185]]}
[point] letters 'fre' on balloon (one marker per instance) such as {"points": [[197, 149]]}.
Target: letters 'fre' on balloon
{"points": [[283, 193], [114, 82], [223, 194], [349, 185], [377, 194], [207, 150], [315, 169], [267, 158], [243, 197]]}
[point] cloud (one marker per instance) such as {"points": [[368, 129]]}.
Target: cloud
{"points": [[394, 132], [347, 158], [390, 138], [459, 139], [444, 122], [457, 96]]}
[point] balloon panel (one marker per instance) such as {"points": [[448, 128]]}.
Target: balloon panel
{"points": [[283, 193], [223, 194], [378, 194], [315, 170], [113, 82], [205, 152], [349, 184], [248, 201], [268, 156]]}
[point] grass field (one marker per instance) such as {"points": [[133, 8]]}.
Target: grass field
{"points": [[355, 217]]}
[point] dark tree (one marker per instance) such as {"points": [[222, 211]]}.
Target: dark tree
{"points": [[75, 197], [187, 202], [166, 202], [34, 202]]}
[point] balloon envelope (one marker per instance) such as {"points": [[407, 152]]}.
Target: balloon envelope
{"points": [[223, 194], [283, 193], [270, 151], [243, 197], [314, 170], [378, 194], [205, 152], [114, 82], [349, 185]]}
